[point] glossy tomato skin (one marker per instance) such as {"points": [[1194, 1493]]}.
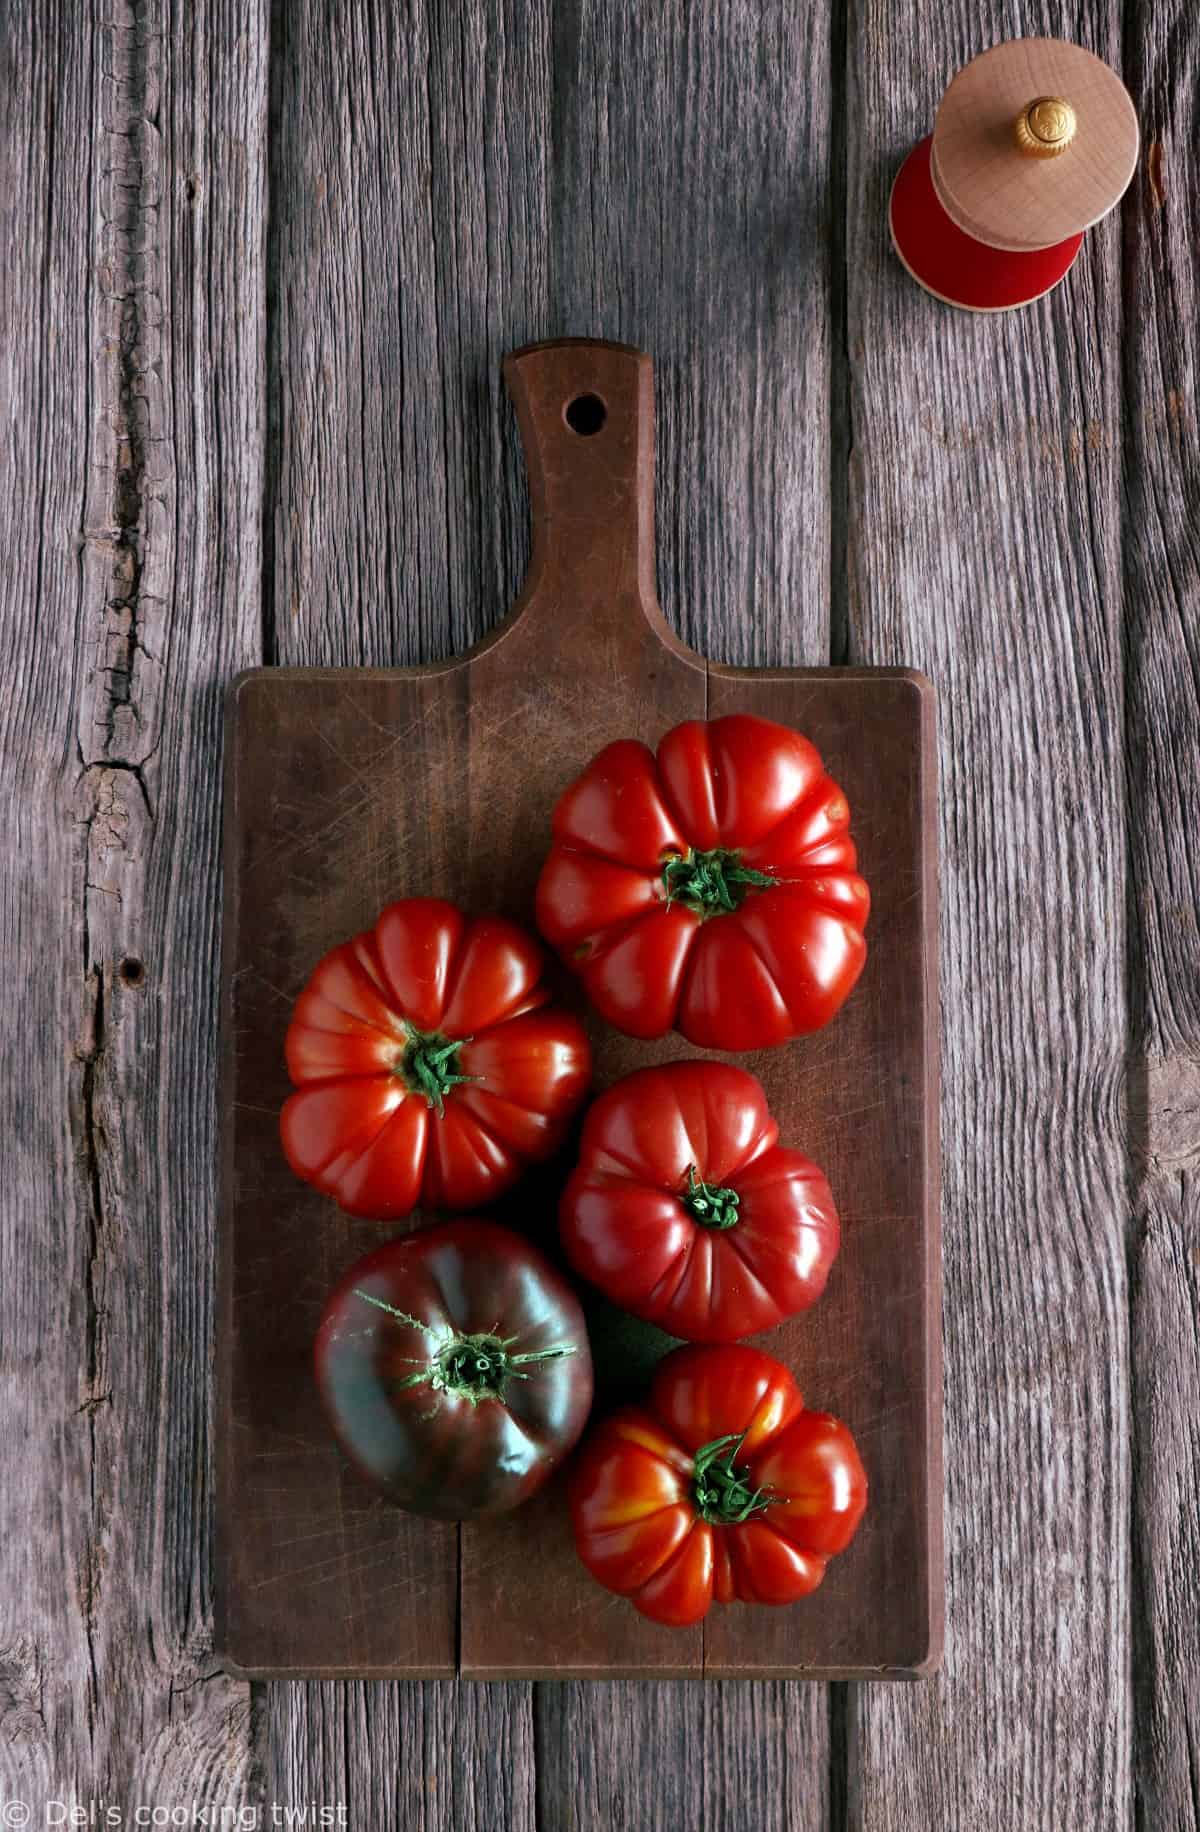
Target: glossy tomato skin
{"points": [[631, 1221], [638, 1526], [447, 1453], [622, 898], [370, 1133]]}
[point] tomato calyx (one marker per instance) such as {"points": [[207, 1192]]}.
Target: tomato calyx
{"points": [[429, 1066], [712, 883], [720, 1490], [474, 1367], [710, 1204], [480, 1367]]}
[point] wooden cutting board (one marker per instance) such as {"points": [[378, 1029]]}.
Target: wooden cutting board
{"points": [[348, 788]]}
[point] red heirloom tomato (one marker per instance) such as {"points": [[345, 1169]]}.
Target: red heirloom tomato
{"points": [[430, 1065], [455, 1368], [724, 1488], [685, 1210], [711, 889]]}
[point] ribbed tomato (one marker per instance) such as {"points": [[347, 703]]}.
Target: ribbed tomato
{"points": [[686, 1210], [455, 1368], [722, 1489], [430, 1066], [711, 888]]}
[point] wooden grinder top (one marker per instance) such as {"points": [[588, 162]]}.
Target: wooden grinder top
{"points": [[1022, 177]]}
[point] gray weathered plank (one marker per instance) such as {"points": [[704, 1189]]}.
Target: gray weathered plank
{"points": [[691, 215], [409, 252], [133, 293], [412, 165], [421, 1755], [728, 1756], [1162, 574], [983, 541]]}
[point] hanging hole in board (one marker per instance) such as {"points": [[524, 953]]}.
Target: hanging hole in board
{"points": [[585, 415], [131, 971]]}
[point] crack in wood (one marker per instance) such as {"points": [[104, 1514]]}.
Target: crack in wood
{"points": [[91, 1146], [127, 532]]}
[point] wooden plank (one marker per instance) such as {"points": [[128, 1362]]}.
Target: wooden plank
{"points": [[310, 1564], [692, 213], [410, 250], [691, 216], [983, 532], [422, 1755], [870, 1351], [133, 294], [730, 1756], [1162, 576], [861, 1098]]}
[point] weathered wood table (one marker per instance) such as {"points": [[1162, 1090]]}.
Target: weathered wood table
{"points": [[261, 265]]}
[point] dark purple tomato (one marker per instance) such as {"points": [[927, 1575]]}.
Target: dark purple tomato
{"points": [[455, 1369]]}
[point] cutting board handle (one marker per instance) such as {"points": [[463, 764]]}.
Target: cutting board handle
{"points": [[586, 414]]}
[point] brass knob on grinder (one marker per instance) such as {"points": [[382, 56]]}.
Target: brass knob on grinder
{"points": [[1046, 127]]}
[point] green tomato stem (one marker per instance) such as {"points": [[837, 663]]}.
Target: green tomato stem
{"points": [[480, 1367], [720, 1490], [475, 1367], [714, 883], [709, 1203], [429, 1066], [401, 1316]]}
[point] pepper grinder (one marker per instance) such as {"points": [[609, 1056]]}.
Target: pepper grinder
{"points": [[1035, 141]]}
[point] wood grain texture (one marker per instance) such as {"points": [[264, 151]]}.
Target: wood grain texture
{"points": [[419, 1755], [409, 251], [1162, 731], [692, 215], [729, 1756], [133, 297], [984, 544]]}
